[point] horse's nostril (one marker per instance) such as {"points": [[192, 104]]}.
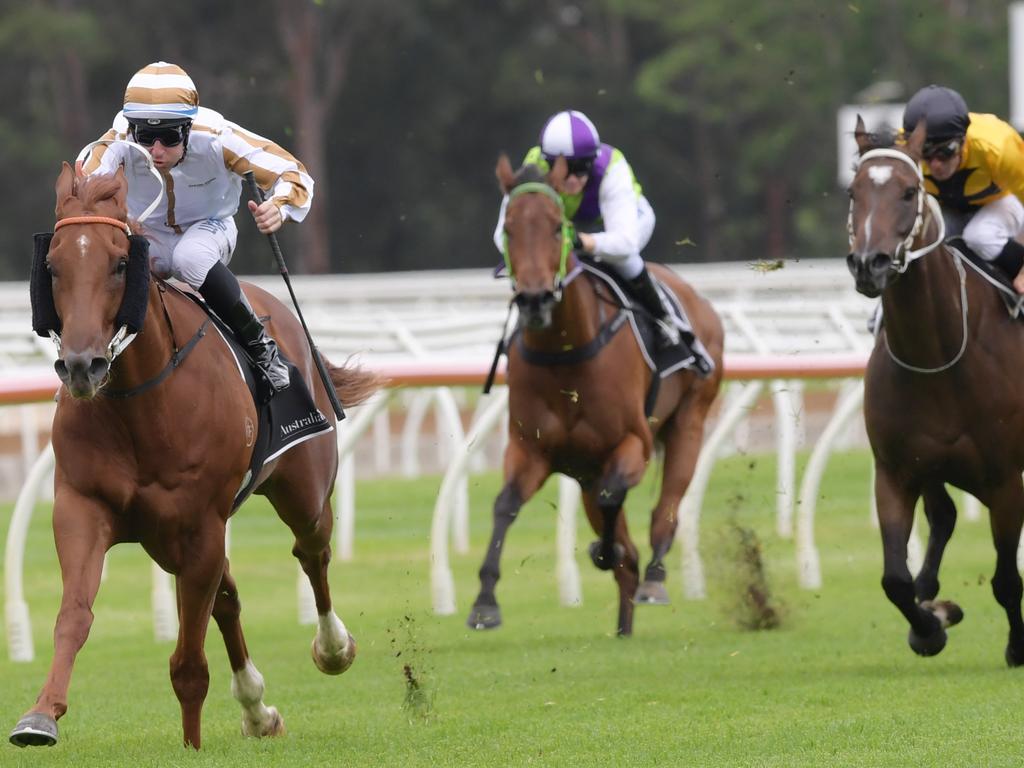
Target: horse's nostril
{"points": [[98, 368], [880, 262]]}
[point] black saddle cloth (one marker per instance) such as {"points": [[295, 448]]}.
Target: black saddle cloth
{"points": [[285, 418]]}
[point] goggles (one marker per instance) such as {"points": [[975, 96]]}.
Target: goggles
{"points": [[577, 166], [169, 136], [942, 150]]}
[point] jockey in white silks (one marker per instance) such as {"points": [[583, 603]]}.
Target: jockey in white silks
{"points": [[201, 157]]}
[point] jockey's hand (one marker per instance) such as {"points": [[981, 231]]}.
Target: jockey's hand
{"points": [[267, 216], [586, 242]]}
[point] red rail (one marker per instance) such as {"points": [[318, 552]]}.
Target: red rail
{"points": [[38, 386]]}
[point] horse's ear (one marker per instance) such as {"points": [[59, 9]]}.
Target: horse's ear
{"points": [[504, 173], [864, 139], [65, 187], [557, 174], [915, 144]]}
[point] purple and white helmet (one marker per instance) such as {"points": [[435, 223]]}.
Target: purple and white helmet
{"points": [[570, 134]]}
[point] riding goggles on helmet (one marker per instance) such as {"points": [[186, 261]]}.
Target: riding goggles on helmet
{"points": [[941, 150], [169, 136]]}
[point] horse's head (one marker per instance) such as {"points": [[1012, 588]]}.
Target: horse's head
{"points": [[537, 242], [89, 287], [887, 206]]}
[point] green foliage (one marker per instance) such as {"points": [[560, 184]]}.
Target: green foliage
{"points": [[725, 109]]}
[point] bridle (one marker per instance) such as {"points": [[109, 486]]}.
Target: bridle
{"points": [[562, 277], [904, 253], [122, 338]]}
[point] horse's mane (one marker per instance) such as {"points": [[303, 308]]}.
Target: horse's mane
{"points": [[529, 173], [96, 189]]}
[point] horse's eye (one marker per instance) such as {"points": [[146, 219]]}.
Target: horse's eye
{"points": [[558, 231], [849, 192], [122, 266], [51, 270], [910, 193]]}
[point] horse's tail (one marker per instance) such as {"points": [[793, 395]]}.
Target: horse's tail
{"points": [[353, 384]]}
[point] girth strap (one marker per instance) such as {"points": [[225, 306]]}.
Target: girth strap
{"points": [[577, 354]]}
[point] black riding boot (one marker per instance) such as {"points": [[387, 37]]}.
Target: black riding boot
{"points": [[644, 291], [224, 295], [1011, 259]]}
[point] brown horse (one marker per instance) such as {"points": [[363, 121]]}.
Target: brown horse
{"points": [[942, 400], [162, 467], [583, 415]]}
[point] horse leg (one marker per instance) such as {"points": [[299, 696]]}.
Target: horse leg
{"points": [[896, 517], [624, 552], [941, 513], [308, 514], [683, 437], [615, 550], [1006, 516], [246, 681], [524, 475], [201, 574], [82, 533]]}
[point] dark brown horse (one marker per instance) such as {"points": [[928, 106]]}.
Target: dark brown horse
{"points": [[585, 418], [162, 467], [943, 399]]}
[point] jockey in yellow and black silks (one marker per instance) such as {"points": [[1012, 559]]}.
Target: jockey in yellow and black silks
{"points": [[973, 164]]}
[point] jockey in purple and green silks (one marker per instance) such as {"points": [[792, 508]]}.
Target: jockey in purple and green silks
{"points": [[611, 218]]}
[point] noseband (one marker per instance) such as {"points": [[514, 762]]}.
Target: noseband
{"points": [[904, 254]]}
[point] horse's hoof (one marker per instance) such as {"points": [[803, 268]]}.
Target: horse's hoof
{"points": [[1014, 656], [484, 617], [35, 730], [335, 664], [927, 646], [651, 593], [946, 611], [602, 564], [272, 726]]}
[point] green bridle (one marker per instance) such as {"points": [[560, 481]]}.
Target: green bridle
{"points": [[537, 186]]}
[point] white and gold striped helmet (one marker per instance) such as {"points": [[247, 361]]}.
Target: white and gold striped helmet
{"points": [[161, 94]]}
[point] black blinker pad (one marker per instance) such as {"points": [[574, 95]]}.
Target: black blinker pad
{"points": [[44, 313], [136, 285]]}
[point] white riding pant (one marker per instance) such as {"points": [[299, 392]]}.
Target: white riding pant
{"points": [[988, 229], [632, 264], [190, 255]]}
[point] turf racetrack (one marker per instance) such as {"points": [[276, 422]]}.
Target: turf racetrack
{"points": [[835, 685]]}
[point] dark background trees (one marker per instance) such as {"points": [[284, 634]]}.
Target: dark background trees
{"points": [[725, 109]]}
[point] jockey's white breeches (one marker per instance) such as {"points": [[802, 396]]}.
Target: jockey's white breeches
{"points": [[190, 255], [988, 230]]}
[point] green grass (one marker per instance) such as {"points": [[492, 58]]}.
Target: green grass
{"points": [[836, 685]]}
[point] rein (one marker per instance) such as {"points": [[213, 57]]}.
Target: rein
{"points": [[905, 254], [177, 356]]}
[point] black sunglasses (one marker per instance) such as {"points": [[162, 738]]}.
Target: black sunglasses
{"points": [[942, 151], [580, 167], [168, 136]]}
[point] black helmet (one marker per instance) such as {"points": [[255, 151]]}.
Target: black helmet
{"points": [[944, 110]]}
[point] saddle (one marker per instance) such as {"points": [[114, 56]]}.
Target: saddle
{"points": [[690, 353], [285, 418]]}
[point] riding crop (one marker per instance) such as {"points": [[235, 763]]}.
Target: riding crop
{"points": [[257, 195]]}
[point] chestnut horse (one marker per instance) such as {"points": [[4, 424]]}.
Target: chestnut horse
{"points": [[942, 401], [585, 417], [162, 467]]}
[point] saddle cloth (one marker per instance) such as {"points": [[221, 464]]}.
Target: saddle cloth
{"points": [[690, 353], [288, 418]]}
